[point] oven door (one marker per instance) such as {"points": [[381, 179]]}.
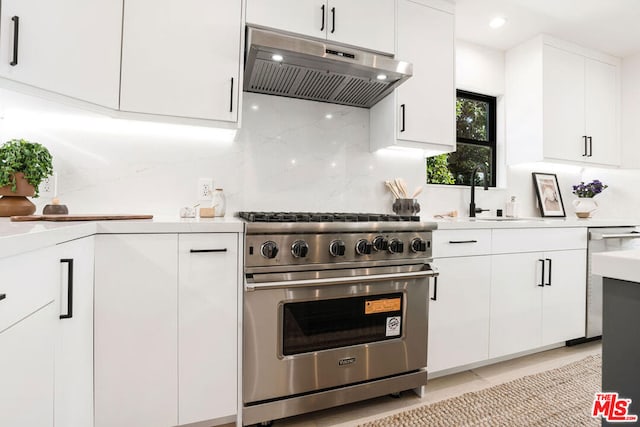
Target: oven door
{"points": [[323, 329]]}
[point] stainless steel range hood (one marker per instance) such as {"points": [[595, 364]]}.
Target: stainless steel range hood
{"points": [[285, 65]]}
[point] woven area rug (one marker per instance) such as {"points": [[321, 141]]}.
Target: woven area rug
{"points": [[559, 397]]}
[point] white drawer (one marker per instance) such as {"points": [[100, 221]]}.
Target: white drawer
{"points": [[28, 283], [538, 239], [451, 243]]}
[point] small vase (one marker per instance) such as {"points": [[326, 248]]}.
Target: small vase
{"points": [[16, 202], [584, 206]]}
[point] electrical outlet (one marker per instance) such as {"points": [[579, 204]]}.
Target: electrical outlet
{"points": [[205, 189], [48, 186]]}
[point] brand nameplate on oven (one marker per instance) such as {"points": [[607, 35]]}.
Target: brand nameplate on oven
{"points": [[382, 305], [346, 361]]}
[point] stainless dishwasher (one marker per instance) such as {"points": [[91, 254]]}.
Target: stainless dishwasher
{"points": [[604, 239]]}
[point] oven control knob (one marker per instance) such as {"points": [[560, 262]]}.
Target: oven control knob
{"points": [[337, 247], [299, 249], [380, 244], [396, 246], [269, 249], [363, 247], [418, 245]]}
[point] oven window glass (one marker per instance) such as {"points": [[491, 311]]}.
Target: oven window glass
{"points": [[325, 324]]}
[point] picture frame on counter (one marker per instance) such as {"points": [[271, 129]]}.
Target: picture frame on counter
{"points": [[548, 195]]}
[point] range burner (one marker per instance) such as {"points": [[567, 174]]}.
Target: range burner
{"points": [[323, 217]]}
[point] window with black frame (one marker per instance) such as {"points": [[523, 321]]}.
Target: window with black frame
{"points": [[476, 143]]}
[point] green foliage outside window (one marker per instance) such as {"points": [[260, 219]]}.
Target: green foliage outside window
{"points": [[475, 130]]}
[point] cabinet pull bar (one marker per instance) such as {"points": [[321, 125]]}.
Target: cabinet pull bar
{"points": [[231, 97], [542, 275], [2, 296], [585, 145], [590, 146], [435, 289], [69, 262], [549, 273], [202, 251], [462, 241], [322, 26], [333, 20], [402, 120], [16, 31]]}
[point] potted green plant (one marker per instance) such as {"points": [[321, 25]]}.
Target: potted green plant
{"points": [[23, 166]]}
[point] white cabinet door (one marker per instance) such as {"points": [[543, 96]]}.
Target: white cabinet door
{"points": [[564, 97], [459, 314], [26, 358], [136, 329], [421, 112], [208, 327], [601, 111], [516, 303], [308, 17], [181, 58], [71, 47], [366, 23], [564, 297], [74, 344], [426, 102]]}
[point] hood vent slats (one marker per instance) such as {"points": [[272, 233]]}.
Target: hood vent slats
{"points": [[312, 70]]}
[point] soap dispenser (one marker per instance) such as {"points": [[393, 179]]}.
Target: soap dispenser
{"points": [[512, 208]]}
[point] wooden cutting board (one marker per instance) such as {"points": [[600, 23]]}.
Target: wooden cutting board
{"points": [[78, 217]]}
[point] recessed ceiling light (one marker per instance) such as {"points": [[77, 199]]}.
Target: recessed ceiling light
{"points": [[329, 116], [382, 77], [497, 22], [276, 57], [254, 107]]}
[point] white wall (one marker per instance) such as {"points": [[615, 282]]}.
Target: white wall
{"points": [[287, 156]]}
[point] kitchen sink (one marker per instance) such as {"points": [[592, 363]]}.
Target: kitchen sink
{"points": [[506, 219]]}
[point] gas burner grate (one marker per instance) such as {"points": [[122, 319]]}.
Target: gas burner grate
{"points": [[323, 217]]}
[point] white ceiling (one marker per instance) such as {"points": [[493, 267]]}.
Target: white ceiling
{"points": [[611, 26]]}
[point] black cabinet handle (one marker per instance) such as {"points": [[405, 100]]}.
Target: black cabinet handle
{"points": [[402, 107], [435, 289], [541, 284], [231, 97], [585, 146], [462, 241], [202, 251], [16, 31], [2, 296], [322, 26], [69, 263], [333, 20], [590, 146], [549, 282]]}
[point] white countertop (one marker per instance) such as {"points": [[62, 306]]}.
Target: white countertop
{"points": [[480, 222], [622, 265], [19, 237]]}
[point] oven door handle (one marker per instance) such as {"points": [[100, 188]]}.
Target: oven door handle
{"points": [[341, 280]]}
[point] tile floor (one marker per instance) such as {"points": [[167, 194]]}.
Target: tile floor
{"points": [[443, 388]]}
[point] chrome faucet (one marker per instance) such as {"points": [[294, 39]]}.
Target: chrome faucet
{"points": [[472, 206]]}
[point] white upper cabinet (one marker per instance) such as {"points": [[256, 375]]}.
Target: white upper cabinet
{"points": [[421, 112], [182, 59], [363, 23], [69, 47], [563, 104]]}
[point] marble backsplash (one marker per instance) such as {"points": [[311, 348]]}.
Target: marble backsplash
{"points": [[289, 155]]}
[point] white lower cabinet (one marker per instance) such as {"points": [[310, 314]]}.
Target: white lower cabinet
{"points": [[207, 327], [74, 343], [165, 329], [531, 308], [28, 327], [26, 358], [458, 313]]}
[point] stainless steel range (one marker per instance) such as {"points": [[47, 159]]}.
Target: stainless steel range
{"points": [[335, 309]]}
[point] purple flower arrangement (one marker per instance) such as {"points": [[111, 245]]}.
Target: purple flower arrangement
{"points": [[591, 189]]}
